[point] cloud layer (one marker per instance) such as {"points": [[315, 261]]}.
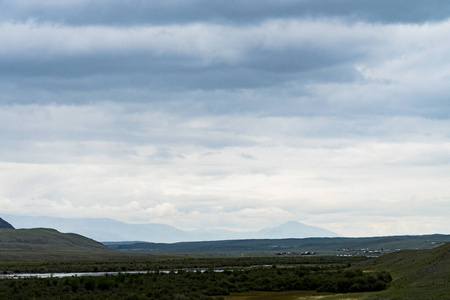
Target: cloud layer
{"points": [[228, 114]]}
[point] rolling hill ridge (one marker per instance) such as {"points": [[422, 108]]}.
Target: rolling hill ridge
{"points": [[44, 239], [328, 246], [418, 274], [48, 244]]}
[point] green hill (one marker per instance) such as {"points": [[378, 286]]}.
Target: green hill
{"points": [[43, 243], [327, 246], [418, 274]]}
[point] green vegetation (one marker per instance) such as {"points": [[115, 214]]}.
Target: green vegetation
{"points": [[251, 270], [285, 295], [418, 274], [297, 295], [193, 285], [42, 239], [152, 262], [324, 246], [241, 274]]}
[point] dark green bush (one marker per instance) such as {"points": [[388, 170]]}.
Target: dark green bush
{"points": [[193, 285]]}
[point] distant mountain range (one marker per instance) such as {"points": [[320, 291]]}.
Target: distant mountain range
{"points": [[102, 229]]}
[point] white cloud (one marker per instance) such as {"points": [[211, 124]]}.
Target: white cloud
{"points": [[292, 176]]}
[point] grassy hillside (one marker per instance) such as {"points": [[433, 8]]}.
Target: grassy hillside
{"points": [[418, 274], [320, 245], [45, 243]]}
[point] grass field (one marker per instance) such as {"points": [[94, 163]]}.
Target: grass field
{"points": [[417, 274], [287, 295], [44, 239], [322, 246], [299, 295]]}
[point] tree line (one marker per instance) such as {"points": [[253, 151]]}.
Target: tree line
{"points": [[181, 284]]}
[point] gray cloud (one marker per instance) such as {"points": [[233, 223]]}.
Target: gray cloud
{"points": [[148, 62], [319, 67], [119, 12], [47, 63]]}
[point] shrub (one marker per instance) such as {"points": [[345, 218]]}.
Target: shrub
{"points": [[74, 285], [379, 286], [90, 284], [104, 285]]}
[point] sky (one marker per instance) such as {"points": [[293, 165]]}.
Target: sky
{"points": [[228, 114]]}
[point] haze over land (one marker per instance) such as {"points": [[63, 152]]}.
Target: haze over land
{"points": [[228, 115], [107, 230]]}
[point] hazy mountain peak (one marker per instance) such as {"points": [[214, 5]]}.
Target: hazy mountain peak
{"points": [[292, 224], [293, 229]]}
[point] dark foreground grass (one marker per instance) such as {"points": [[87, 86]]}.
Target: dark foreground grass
{"points": [[114, 262], [281, 277], [298, 295], [287, 295], [193, 285]]}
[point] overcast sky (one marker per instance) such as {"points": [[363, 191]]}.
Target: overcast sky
{"points": [[228, 114]]}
